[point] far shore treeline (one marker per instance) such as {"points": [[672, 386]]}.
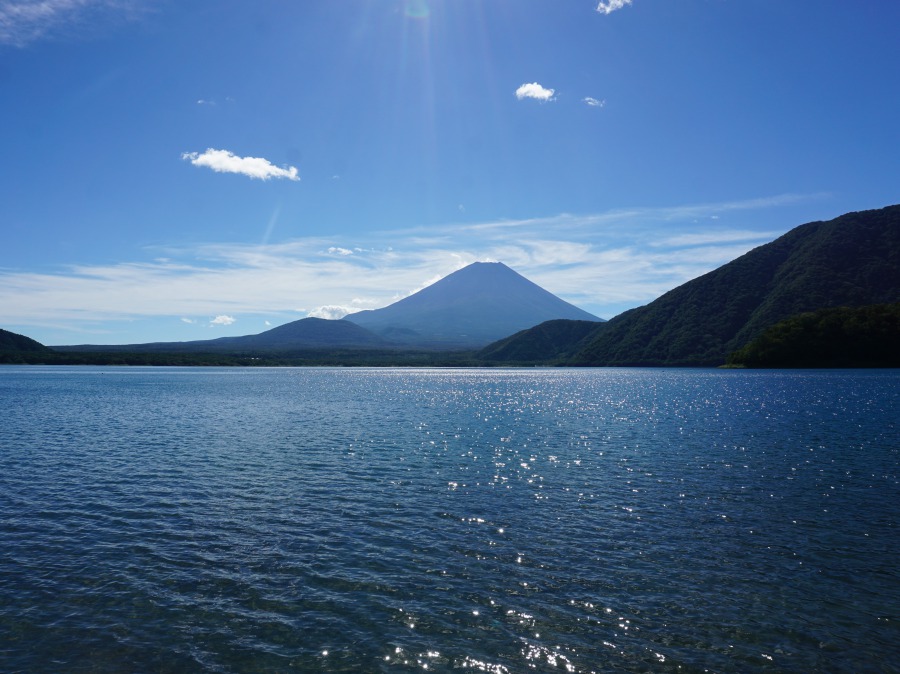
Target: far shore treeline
{"points": [[825, 294], [860, 337], [316, 357]]}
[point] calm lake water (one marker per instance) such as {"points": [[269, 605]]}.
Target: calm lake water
{"points": [[368, 520]]}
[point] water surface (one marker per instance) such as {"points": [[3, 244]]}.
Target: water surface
{"points": [[249, 520]]}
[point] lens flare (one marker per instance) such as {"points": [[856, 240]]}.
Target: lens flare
{"points": [[416, 9]]}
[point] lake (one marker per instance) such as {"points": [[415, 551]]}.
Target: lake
{"points": [[502, 521]]}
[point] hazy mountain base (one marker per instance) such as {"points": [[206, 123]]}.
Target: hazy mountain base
{"points": [[304, 335]]}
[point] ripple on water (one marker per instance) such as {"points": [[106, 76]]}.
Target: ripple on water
{"points": [[496, 521]]}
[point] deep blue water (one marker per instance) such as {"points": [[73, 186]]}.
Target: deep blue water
{"points": [[269, 520]]}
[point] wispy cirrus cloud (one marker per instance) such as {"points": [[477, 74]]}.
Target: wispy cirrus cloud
{"points": [[25, 21], [223, 161], [610, 6], [715, 238], [593, 102], [535, 91]]}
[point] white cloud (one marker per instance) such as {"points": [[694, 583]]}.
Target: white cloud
{"points": [[593, 102], [536, 91], [331, 312], [223, 161], [188, 320], [337, 250], [24, 21], [222, 320], [610, 6]]}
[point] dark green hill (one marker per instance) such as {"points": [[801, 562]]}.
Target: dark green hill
{"points": [[851, 261], [11, 341], [839, 337], [550, 342]]}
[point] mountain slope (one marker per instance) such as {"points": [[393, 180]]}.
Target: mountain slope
{"points": [[11, 341], [471, 307], [306, 333], [852, 260], [550, 341]]}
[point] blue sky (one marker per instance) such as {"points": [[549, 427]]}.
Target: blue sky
{"points": [[201, 168]]}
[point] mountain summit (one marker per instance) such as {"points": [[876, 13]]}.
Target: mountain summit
{"points": [[471, 307]]}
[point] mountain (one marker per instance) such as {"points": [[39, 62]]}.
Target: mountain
{"points": [[11, 341], [852, 260], [469, 308], [303, 334]]}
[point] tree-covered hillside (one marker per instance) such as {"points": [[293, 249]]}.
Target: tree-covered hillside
{"points": [[852, 260], [838, 337], [551, 342], [14, 342]]}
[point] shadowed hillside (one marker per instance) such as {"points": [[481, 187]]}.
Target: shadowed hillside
{"points": [[14, 342], [550, 342], [842, 337], [851, 261]]}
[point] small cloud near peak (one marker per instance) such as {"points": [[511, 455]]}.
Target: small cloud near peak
{"points": [[222, 320], [536, 91], [610, 6], [331, 312], [223, 161]]}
